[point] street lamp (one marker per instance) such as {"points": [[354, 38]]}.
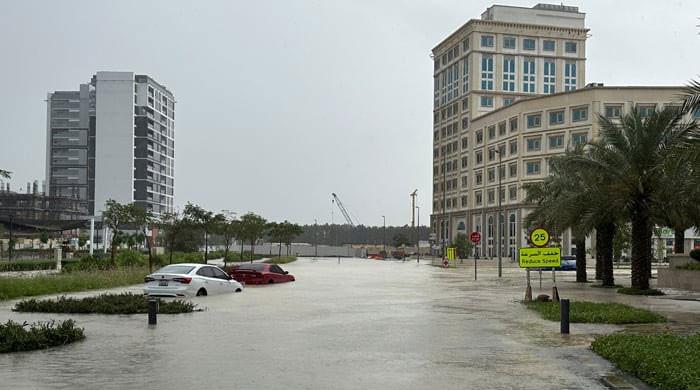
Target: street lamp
{"points": [[498, 217], [418, 235], [315, 238], [384, 236]]}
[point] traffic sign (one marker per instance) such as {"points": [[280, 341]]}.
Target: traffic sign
{"points": [[539, 237], [539, 257], [475, 237]]}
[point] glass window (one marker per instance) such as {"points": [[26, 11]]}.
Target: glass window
{"points": [[487, 41], [529, 73], [492, 154], [478, 178], [532, 167], [534, 120], [512, 195], [492, 132], [465, 123], [570, 76], [465, 143], [528, 44], [579, 139], [556, 117], [479, 135], [509, 73], [465, 181], [464, 201], [206, 272], [507, 101], [645, 111], [696, 115], [465, 45], [570, 47], [613, 110], [513, 169], [556, 141], [550, 75], [509, 42], [492, 175], [465, 75], [477, 198], [533, 144], [487, 101], [579, 114], [491, 196], [176, 269], [219, 274], [487, 72], [465, 162], [502, 128], [548, 45], [513, 124], [513, 147], [479, 157]]}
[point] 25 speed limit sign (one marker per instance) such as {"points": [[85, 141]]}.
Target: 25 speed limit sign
{"points": [[539, 237]]}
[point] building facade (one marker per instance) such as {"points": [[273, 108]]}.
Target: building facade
{"points": [[114, 138], [510, 54]]}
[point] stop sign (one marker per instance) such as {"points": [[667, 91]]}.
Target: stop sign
{"points": [[475, 237]]}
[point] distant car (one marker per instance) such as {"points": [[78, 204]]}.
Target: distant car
{"points": [[260, 273], [189, 279], [568, 263]]}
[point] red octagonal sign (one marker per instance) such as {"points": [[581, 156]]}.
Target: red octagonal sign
{"points": [[475, 237]]}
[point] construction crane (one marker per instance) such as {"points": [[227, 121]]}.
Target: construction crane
{"points": [[413, 207], [342, 209]]}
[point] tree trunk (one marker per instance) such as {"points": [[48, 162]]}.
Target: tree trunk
{"points": [[150, 252], [641, 249], [581, 275], [252, 250], [206, 247], [598, 257], [279, 254], [605, 233], [228, 242], [172, 246], [241, 250], [679, 240]]}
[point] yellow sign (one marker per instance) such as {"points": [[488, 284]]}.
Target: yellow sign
{"points": [[451, 253], [539, 257], [539, 237]]}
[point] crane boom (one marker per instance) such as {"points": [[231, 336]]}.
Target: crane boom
{"points": [[342, 209]]}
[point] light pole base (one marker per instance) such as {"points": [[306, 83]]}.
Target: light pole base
{"points": [[555, 294], [528, 294]]}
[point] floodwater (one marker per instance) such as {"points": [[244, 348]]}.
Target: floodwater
{"points": [[354, 324]]}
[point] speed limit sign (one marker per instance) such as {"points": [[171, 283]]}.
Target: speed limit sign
{"points": [[539, 237]]}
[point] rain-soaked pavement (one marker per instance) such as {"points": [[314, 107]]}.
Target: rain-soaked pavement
{"points": [[358, 324]]}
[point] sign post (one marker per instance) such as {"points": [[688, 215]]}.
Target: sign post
{"points": [[475, 238], [540, 256]]}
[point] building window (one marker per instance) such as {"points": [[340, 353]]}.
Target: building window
{"points": [[465, 44], [479, 157], [570, 76], [492, 154], [477, 198], [479, 135], [613, 110], [465, 123], [465, 162], [512, 193], [579, 114], [465, 75], [513, 124], [570, 47], [509, 73], [465, 181], [464, 201], [487, 101], [492, 132], [502, 149], [465, 104], [528, 44], [556, 117], [487, 41], [487, 72], [491, 196], [533, 144], [645, 111], [513, 147], [509, 42], [478, 178], [579, 139], [550, 75], [532, 167], [465, 143], [534, 120], [529, 73], [513, 169], [556, 141], [507, 101], [492, 175], [548, 45], [502, 128]]}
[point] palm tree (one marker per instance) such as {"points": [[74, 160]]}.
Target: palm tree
{"points": [[5, 174], [634, 153]]}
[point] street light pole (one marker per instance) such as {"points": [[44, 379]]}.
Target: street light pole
{"points": [[315, 238], [418, 235], [498, 217], [384, 236], [11, 243]]}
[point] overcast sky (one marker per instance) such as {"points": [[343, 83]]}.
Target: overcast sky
{"points": [[280, 103]]}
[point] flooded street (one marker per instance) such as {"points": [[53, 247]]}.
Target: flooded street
{"points": [[358, 324]]}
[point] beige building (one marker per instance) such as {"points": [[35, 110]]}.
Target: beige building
{"points": [[498, 118]]}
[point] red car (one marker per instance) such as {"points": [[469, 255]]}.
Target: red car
{"points": [[260, 273]]}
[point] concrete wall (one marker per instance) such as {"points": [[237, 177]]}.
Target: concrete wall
{"points": [[680, 279], [114, 149]]}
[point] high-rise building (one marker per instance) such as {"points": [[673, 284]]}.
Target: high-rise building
{"points": [[112, 139]]}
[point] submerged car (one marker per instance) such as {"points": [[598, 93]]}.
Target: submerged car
{"points": [[189, 279], [260, 273]]}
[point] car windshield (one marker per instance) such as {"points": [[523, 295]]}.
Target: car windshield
{"points": [[176, 269], [254, 267]]}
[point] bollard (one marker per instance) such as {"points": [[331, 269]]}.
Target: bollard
{"points": [[58, 254], [152, 311], [564, 303]]}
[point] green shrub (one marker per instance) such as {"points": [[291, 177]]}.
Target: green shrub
{"points": [[690, 267], [88, 263], [15, 337], [281, 260], [131, 259], [126, 303], [665, 361], [69, 282], [598, 313], [695, 254], [635, 291]]}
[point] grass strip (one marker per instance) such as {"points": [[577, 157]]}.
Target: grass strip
{"points": [[281, 260], [69, 282], [15, 337], [636, 291], [596, 313], [125, 303], [664, 360]]}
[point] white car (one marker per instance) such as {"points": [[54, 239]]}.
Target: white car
{"points": [[189, 279]]}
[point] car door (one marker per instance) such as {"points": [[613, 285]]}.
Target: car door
{"points": [[277, 273], [209, 282], [224, 282]]}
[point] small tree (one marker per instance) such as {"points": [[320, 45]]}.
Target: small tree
{"points": [[81, 242], [173, 227], [253, 228], [44, 237], [205, 220], [463, 245], [115, 216], [400, 240], [291, 231], [144, 220], [276, 233], [228, 231]]}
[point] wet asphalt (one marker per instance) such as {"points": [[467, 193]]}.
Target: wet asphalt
{"points": [[357, 324]]}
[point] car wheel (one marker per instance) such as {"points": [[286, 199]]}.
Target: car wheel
{"points": [[239, 290], [202, 292], [270, 281]]}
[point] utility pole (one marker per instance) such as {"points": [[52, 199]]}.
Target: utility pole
{"points": [[418, 235], [444, 201], [11, 243], [315, 238], [498, 217], [384, 236]]}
